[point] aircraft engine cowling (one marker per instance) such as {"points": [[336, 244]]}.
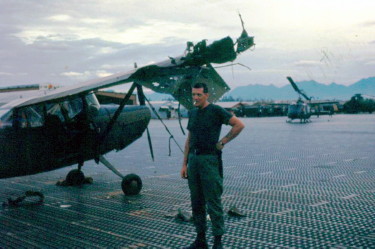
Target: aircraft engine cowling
{"points": [[129, 126]]}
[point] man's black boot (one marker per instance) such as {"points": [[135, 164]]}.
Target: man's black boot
{"points": [[199, 243], [217, 243]]}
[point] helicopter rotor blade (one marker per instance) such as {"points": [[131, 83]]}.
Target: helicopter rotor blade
{"points": [[305, 96], [295, 87]]}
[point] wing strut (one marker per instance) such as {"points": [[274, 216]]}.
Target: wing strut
{"points": [[117, 114], [141, 98], [166, 128], [179, 118]]}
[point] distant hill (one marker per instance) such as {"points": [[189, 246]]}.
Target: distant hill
{"points": [[311, 88]]}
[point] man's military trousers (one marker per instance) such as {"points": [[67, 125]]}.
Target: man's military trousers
{"points": [[206, 187]]}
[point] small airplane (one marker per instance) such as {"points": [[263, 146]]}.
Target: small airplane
{"points": [[299, 109], [69, 126]]}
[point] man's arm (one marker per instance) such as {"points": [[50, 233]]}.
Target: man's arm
{"points": [[186, 155], [237, 127]]}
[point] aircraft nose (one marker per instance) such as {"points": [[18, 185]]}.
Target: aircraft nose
{"points": [[137, 116], [129, 126]]}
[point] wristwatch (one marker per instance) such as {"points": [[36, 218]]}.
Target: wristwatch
{"points": [[221, 143]]}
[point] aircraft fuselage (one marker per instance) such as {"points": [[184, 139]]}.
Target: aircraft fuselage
{"points": [[299, 111], [44, 138]]}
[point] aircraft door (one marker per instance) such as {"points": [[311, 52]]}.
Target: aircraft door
{"points": [[33, 146], [76, 138], [9, 149], [55, 130]]}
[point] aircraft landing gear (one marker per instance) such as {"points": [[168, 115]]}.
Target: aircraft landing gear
{"points": [[131, 184], [75, 177]]}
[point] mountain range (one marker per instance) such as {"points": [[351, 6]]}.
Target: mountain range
{"points": [[310, 88]]}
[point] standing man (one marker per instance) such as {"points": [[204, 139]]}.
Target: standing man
{"points": [[203, 155]]}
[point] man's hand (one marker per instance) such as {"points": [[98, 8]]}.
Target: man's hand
{"points": [[219, 145], [183, 172], [237, 127]]}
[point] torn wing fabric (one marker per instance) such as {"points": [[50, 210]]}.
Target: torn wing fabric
{"points": [[178, 81]]}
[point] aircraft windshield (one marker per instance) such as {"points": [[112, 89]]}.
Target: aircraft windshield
{"points": [[55, 109], [31, 116], [72, 107], [3, 112], [92, 104], [92, 100], [299, 108], [65, 110], [6, 117], [34, 116], [295, 108]]}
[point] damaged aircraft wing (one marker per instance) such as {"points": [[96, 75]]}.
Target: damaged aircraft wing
{"points": [[174, 76]]}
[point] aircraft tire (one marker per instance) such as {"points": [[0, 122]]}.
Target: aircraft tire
{"points": [[75, 177], [131, 184]]}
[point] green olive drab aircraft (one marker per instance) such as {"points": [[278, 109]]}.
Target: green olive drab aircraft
{"points": [[300, 109], [303, 110], [69, 126]]}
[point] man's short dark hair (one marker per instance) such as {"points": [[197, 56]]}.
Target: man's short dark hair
{"points": [[201, 85]]}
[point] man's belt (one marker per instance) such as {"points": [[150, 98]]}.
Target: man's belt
{"points": [[205, 151]]}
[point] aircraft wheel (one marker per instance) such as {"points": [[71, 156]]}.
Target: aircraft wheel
{"points": [[75, 177], [131, 184]]}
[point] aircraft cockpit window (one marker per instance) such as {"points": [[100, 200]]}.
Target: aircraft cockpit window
{"points": [[92, 100], [35, 116], [73, 107], [55, 109], [93, 104], [31, 116], [6, 117]]}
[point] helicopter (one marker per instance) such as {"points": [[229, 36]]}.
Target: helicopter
{"points": [[300, 109], [69, 126]]}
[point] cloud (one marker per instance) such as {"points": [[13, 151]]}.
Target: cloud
{"points": [[68, 41], [5, 73], [368, 24], [151, 32], [59, 18], [114, 66], [78, 76], [102, 73], [72, 74], [308, 63], [83, 76]]}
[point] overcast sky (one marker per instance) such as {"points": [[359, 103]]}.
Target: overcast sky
{"points": [[69, 41]]}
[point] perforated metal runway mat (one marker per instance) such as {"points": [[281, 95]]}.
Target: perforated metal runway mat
{"points": [[299, 185]]}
